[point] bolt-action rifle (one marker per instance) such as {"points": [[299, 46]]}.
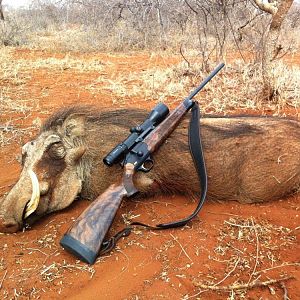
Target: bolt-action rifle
{"points": [[85, 237]]}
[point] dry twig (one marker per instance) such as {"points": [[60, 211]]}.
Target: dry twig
{"points": [[230, 272], [275, 267], [1, 283], [242, 286], [183, 250], [285, 295], [257, 251]]}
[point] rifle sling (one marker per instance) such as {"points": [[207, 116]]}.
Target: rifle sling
{"points": [[196, 150]]}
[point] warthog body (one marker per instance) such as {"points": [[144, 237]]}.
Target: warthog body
{"points": [[248, 159]]}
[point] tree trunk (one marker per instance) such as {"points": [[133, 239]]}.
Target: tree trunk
{"points": [[271, 47], [1, 11]]}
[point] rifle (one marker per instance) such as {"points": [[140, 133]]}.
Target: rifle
{"points": [[84, 239]]}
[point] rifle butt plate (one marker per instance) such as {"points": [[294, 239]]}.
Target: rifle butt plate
{"points": [[78, 249]]}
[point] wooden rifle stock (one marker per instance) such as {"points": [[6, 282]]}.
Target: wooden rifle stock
{"points": [[162, 132], [84, 238], [86, 235]]}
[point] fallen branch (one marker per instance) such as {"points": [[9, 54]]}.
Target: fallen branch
{"points": [[245, 286]]}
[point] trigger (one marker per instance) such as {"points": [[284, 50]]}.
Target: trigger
{"points": [[147, 165]]}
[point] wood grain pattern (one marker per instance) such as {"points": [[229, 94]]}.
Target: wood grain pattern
{"points": [[161, 133], [91, 227]]}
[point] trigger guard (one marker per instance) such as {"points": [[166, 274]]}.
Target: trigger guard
{"points": [[143, 168]]}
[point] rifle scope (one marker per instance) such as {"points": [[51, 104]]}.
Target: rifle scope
{"points": [[156, 116]]}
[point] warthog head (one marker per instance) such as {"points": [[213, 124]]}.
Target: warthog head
{"points": [[64, 161], [51, 177]]}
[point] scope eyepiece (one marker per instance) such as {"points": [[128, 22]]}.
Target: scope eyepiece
{"points": [[115, 155]]}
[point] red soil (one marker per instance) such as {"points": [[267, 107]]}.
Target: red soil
{"points": [[147, 265]]}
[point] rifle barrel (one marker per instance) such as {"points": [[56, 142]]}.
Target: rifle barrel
{"points": [[205, 81]]}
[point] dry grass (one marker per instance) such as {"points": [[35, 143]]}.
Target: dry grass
{"points": [[16, 103], [15, 73], [62, 64], [287, 83], [236, 87], [7, 104], [10, 69], [82, 38], [10, 128], [19, 69], [70, 39]]}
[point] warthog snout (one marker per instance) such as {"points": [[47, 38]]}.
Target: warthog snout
{"points": [[8, 226], [20, 203]]}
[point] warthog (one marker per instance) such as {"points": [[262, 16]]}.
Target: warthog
{"points": [[248, 159]]}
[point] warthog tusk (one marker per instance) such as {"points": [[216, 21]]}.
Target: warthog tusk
{"points": [[32, 205]]}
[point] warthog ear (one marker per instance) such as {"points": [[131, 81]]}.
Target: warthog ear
{"points": [[73, 126], [75, 154]]}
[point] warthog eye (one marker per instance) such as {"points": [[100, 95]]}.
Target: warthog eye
{"points": [[57, 150]]}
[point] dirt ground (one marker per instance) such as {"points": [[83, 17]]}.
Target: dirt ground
{"points": [[230, 251]]}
